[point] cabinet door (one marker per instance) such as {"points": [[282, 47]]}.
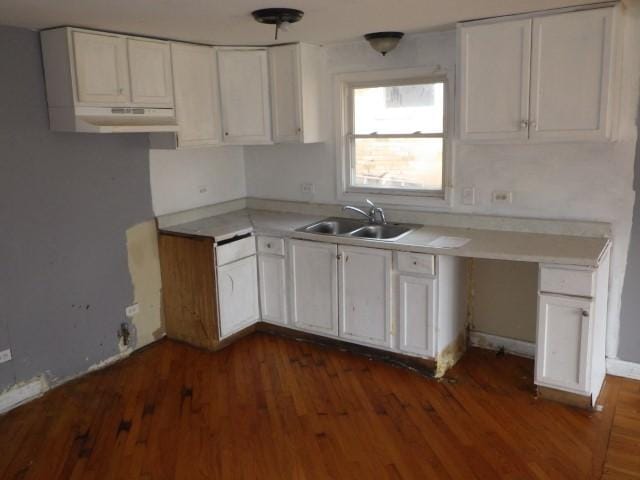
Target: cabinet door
{"points": [[365, 295], [286, 115], [417, 313], [196, 94], [571, 69], [102, 74], [244, 96], [314, 286], [150, 71], [494, 72], [273, 288], [562, 348], [238, 295]]}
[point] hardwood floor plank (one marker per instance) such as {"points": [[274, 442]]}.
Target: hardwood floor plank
{"points": [[272, 408]]}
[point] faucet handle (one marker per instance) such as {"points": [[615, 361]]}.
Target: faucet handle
{"points": [[371, 204]]}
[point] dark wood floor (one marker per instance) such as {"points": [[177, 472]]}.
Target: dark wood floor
{"points": [[272, 408]]}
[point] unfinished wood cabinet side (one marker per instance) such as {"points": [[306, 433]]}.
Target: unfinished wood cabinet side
{"points": [[189, 289]]}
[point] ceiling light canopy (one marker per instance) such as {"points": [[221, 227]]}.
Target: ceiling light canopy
{"points": [[383, 42], [280, 17]]}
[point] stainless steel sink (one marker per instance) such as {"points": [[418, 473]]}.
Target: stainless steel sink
{"points": [[333, 226], [382, 232], [347, 227]]}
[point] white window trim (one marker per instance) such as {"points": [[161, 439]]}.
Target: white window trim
{"points": [[342, 84]]}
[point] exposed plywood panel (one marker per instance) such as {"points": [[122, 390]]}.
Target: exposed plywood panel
{"points": [[505, 298], [189, 289]]}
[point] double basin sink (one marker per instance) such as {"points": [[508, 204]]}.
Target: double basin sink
{"points": [[347, 227]]}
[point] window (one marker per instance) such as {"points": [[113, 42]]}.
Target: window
{"points": [[395, 137]]}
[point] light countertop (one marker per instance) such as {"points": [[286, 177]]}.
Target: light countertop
{"points": [[490, 244]]}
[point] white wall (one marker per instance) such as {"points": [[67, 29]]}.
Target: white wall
{"points": [[190, 178], [562, 180]]}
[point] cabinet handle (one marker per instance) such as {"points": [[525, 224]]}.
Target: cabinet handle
{"points": [[415, 262], [268, 245], [585, 313], [226, 134], [339, 256], [524, 124], [299, 130]]}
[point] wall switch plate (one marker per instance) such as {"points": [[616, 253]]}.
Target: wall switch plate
{"points": [[308, 188], [469, 196], [501, 196], [5, 355], [132, 310]]}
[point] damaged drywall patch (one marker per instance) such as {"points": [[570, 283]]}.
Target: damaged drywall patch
{"points": [[450, 355], [144, 268]]}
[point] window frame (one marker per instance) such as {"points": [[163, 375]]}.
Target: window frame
{"points": [[345, 138]]}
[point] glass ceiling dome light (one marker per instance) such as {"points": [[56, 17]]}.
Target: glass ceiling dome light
{"points": [[280, 17], [383, 42]]}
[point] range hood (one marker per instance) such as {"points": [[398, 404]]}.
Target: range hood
{"points": [[113, 119]]}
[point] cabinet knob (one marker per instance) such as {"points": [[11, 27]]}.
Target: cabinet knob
{"points": [[226, 133], [268, 245], [585, 313], [299, 130], [415, 262], [524, 123], [339, 256]]}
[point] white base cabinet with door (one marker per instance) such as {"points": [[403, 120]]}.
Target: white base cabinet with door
{"points": [[237, 281], [272, 280], [540, 77], [379, 298], [365, 296], [571, 330], [314, 286]]}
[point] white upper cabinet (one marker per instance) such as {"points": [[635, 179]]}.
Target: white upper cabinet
{"points": [[295, 76], [571, 75], [244, 93], [494, 71], [365, 295], [84, 68], [101, 69], [150, 72], [196, 90], [546, 78]]}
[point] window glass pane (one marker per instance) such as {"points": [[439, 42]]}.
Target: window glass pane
{"points": [[399, 109], [411, 163]]}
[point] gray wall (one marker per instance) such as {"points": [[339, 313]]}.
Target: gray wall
{"points": [[629, 348], [66, 201]]}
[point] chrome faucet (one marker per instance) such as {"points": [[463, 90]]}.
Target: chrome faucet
{"points": [[372, 215]]}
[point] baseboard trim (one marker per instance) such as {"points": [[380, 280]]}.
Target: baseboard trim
{"points": [[510, 345], [622, 368], [22, 393]]}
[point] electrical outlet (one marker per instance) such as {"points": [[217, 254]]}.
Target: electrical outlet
{"points": [[202, 189], [5, 355], [308, 188], [501, 196], [132, 310], [469, 196]]}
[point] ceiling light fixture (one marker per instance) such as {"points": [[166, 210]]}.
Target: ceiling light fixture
{"points": [[280, 17], [383, 42]]}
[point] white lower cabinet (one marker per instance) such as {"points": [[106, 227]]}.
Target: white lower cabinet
{"points": [[273, 288], [563, 341], [417, 315], [314, 286], [237, 295], [365, 295]]}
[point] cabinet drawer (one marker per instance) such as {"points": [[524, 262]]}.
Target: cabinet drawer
{"points": [[235, 250], [273, 245], [422, 263], [567, 281]]}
